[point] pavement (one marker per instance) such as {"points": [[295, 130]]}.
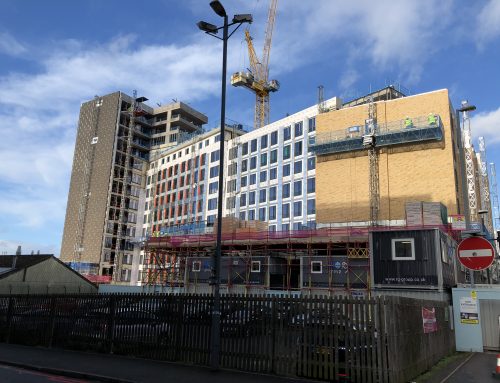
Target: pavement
{"points": [[107, 368], [462, 368]]}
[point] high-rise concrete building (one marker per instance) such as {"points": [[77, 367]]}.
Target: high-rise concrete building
{"points": [[116, 136]]}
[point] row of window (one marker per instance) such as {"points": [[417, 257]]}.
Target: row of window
{"points": [[265, 214], [287, 135]]}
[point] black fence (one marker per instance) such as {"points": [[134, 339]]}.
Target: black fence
{"points": [[326, 338]]}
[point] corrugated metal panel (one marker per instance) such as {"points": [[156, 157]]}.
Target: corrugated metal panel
{"points": [[422, 271]]}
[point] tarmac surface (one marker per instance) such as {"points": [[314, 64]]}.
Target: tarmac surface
{"points": [[120, 369], [105, 368]]}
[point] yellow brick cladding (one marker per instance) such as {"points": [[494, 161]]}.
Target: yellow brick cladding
{"points": [[407, 172]]}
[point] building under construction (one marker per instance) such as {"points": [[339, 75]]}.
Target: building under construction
{"points": [[325, 199], [116, 136]]}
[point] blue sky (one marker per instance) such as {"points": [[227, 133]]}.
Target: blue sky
{"points": [[56, 54]]}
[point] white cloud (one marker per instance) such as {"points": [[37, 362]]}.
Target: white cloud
{"points": [[488, 22], [348, 79], [486, 124], [10, 46], [400, 36]]}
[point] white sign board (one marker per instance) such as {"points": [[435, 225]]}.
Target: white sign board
{"points": [[468, 311]]}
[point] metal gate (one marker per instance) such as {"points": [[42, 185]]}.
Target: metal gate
{"points": [[490, 323]]}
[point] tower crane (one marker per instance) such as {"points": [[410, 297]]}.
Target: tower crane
{"points": [[257, 79]]}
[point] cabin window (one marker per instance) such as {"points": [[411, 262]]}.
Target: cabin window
{"points": [[255, 267], [196, 266], [316, 267], [403, 249]]}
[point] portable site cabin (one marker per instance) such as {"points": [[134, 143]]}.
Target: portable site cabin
{"points": [[414, 259]]}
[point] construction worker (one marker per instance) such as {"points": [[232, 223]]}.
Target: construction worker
{"points": [[432, 119], [408, 122]]}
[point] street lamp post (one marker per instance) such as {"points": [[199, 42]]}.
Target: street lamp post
{"points": [[216, 309]]}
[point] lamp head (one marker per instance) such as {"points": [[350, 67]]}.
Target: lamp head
{"points": [[207, 27], [244, 18], [218, 8]]}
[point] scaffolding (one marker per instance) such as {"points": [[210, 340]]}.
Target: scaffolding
{"points": [[262, 261], [388, 134], [484, 184], [494, 197]]}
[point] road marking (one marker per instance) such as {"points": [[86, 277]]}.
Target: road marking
{"points": [[456, 369]]}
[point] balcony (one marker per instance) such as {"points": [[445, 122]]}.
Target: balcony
{"points": [[177, 120], [142, 144], [391, 133]]}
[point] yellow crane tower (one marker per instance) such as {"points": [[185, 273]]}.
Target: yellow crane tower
{"points": [[257, 79]]}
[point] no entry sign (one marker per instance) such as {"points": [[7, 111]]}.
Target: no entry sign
{"points": [[475, 253]]}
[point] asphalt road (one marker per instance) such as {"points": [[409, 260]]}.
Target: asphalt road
{"points": [[18, 375], [477, 369]]}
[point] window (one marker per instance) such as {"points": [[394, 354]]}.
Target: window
{"points": [[263, 176], [272, 193], [244, 164], [244, 148], [274, 138], [253, 145], [286, 191], [212, 204], [243, 200], [312, 124], [286, 152], [311, 163], [285, 227], [286, 170], [196, 266], [403, 249], [255, 268], [251, 215], [251, 198], [298, 149], [230, 202], [273, 173], [297, 209], [214, 171], [233, 169], [311, 185], [287, 133], [233, 153], [243, 215], [253, 163], [217, 138], [297, 188], [285, 210], [297, 167], [231, 186], [213, 187], [316, 267], [262, 214], [274, 156], [243, 181], [262, 195], [263, 142], [311, 206], [263, 159], [253, 179], [298, 129], [272, 213], [272, 228], [210, 220], [215, 156]]}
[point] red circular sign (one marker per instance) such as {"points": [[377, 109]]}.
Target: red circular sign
{"points": [[475, 253]]}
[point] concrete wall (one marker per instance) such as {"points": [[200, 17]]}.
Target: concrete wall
{"points": [[407, 172], [98, 122], [47, 277]]}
